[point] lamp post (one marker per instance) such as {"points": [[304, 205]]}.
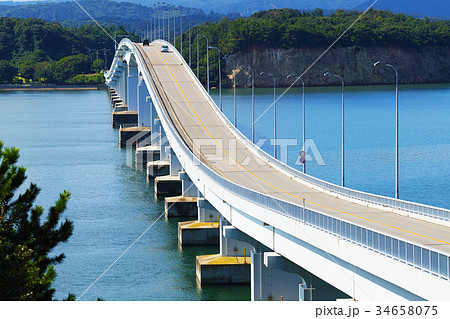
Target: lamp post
{"points": [[190, 45], [174, 27], [234, 89], [168, 22], [329, 75], [274, 114], [396, 124], [207, 60], [220, 78], [304, 119], [198, 57], [253, 107], [164, 35], [181, 35], [115, 39]]}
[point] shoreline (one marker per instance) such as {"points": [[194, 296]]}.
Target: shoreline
{"points": [[31, 87]]}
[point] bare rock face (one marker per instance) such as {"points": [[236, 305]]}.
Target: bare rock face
{"points": [[353, 64]]}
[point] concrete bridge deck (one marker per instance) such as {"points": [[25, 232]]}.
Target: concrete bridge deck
{"points": [[197, 122]]}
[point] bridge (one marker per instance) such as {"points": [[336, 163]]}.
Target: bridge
{"points": [[304, 238]]}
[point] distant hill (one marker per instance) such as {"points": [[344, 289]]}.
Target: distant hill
{"points": [[418, 8], [133, 16], [244, 8]]}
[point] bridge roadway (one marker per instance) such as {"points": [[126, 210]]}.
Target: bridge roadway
{"points": [[193, 115]]}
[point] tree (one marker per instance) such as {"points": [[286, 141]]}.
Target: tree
{"points": [[7, 72], [97, 65], [71, 65], [26, 268]]}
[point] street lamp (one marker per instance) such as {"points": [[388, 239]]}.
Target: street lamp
{"points": [[198, 57], [396, 124], [304, 121], [190, 45], [207, 60], [253, 107], [220, 78], [181, 34], [274, 114], [329, 75], [174, 27]]}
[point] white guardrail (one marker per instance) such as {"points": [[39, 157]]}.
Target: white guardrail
{"points": [[402, 205], [429, 260]]}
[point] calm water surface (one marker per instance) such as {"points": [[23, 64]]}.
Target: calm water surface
{"points": [[67, 142]]}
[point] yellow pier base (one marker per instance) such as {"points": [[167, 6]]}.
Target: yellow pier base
{"points": [[215, 269], [198, 233]]}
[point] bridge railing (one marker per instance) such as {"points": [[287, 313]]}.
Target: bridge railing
{"points": [[429, 260], [402, 205], [388, 202], [434, 262], [398, 204]]}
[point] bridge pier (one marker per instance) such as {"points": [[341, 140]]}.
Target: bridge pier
{"points": [[132, 88], [133, 136], [276, 278], [161, 166], [137, 103], [124, 118], [184, 205], [145, 105], [152, 152], [230, 266], [204, 230]]}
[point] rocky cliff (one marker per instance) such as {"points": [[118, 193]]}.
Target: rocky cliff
{"points": [[354, 64]]}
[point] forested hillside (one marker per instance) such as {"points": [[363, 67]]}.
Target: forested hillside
{"points": [[48, 52], [287, 28], [132, 16]]}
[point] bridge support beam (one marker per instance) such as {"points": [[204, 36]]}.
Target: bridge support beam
{"points": [[123, 84], [132, 88], [145, 105], [271, 283]]}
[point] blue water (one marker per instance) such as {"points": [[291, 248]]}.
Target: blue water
{"points": [[67, 142]]}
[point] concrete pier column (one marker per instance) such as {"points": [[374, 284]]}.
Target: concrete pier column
{"points": [[124, 83], [156, 132], [132, 87], [144, 105], [206, 211], [230, 246], [274, 278], [188, 188], [163, 142]]}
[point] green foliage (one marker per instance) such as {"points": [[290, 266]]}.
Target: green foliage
{"points": [[288, 28], [49, 52], [70, 65], [292, 28], [26, 241], [97, 65], [7, 71], [26, 69], [91, 79]]}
